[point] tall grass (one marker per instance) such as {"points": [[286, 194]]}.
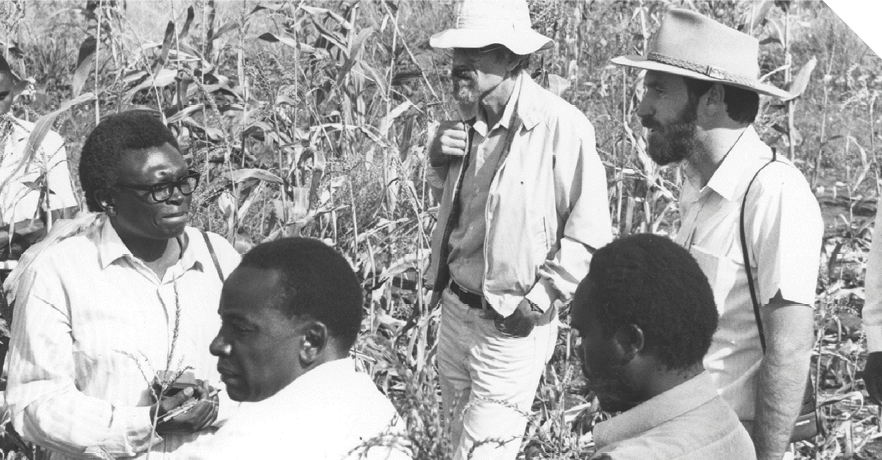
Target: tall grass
{"points": [[311, 117]]}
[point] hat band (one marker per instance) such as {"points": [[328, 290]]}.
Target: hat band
{"points": [[709, 70]]}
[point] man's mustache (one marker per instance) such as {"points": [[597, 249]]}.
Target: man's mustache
{"points": [[462, 73], [650, 123]]}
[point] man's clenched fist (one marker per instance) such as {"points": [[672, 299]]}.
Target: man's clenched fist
{"points": [[450, 140]]}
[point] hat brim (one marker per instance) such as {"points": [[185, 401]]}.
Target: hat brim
{"points": [[641, 62], [520, 42]]}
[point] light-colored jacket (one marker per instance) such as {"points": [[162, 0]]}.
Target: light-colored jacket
{"points": [[547, 209], [872, 311]]}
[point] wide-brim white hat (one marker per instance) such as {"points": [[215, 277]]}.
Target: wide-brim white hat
{"points": [[691, 45], [480, 23]]}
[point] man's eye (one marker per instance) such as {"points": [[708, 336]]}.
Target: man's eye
{"points": [[4, 95], [161, 186], [238, 328]]}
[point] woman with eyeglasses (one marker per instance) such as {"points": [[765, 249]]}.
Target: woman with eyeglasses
{"points": [[132, 295]]}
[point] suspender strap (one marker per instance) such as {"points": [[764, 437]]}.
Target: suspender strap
{"points": [[220, 273], [744, 253], [808, 424]]}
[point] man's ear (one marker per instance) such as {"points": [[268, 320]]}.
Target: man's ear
{"points": [[512, 61], [105, 200], [713, 102], [315, 340], [630, 341]]}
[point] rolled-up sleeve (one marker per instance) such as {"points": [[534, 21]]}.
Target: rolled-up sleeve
{"points": [[787, 226]]}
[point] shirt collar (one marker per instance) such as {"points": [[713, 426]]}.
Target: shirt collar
{"points": [[656, 411], [111, 248], [532, 102], [726, 178], [337, 370], [507, 114]]}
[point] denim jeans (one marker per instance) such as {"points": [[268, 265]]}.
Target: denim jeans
{"points": [[488, 380]]}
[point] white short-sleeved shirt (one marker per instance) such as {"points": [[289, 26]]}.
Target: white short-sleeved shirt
{"points": [[18, 200], [784, 229]]}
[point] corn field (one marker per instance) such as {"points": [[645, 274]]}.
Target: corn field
{"points": [[311, 118]]}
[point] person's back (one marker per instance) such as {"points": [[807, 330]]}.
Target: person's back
{"points": [[645, 314], [328, 413]]}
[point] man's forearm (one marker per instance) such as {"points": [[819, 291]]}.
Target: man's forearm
{"points": [[780, 390]]}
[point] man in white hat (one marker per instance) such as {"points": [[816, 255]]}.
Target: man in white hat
{"points": [[523, 207], [701, 96]]}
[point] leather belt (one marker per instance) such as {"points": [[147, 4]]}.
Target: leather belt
{"points": [[472, 300]]}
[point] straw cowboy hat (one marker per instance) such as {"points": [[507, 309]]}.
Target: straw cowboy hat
{"points": [[692, 45], [480, 23]]}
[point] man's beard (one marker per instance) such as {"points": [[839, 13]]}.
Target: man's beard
{"points": [[675, 142], [464, 90], [611, 388]]}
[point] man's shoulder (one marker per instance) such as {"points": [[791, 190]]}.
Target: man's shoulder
{"points": [[197, 234], [52, 141], [377, 405], [711, 430], [69, 250], [777, 179], [226, 253], [552, 110], [325, 417]]}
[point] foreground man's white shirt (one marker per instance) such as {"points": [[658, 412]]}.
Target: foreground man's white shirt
{"points": [[332, 412]]}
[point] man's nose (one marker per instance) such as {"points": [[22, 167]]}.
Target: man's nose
{"points": [[175, 195], [219, 347], [458, 58], [643, 109]]}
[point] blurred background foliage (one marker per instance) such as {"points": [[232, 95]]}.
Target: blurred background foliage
{"points": [[311, 118]]}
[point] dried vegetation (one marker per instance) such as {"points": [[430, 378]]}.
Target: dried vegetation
{"points": [[310, 118]]}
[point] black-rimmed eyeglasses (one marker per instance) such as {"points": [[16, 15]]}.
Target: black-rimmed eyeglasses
{"points": [[163, 191]]}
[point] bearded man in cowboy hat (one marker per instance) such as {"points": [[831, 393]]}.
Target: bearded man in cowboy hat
{"points": [[523, 207], [701, 95]]}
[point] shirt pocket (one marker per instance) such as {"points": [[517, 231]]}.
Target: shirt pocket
{"points": [[724, 274]]}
